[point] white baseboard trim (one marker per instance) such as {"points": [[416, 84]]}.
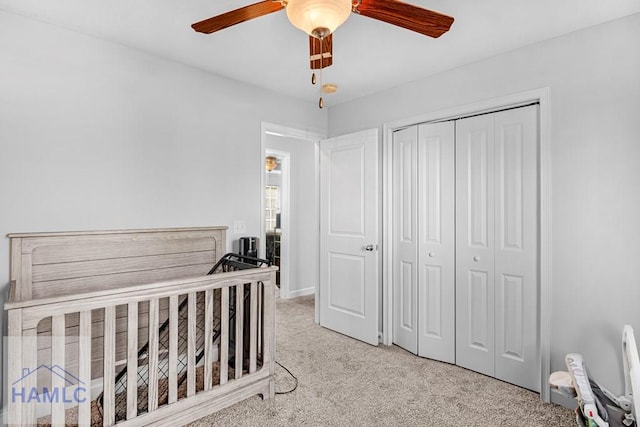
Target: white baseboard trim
{"points": [[300, 293]]}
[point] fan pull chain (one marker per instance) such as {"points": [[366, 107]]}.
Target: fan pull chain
{"points": [[313, 73], [321, 101]]}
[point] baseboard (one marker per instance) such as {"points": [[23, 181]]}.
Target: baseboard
{"points": [[300, 293]]}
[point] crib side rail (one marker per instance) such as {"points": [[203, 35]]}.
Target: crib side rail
{"points": [[70, 369]]}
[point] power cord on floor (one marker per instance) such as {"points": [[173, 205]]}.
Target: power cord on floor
{"points": [[292, 376]]}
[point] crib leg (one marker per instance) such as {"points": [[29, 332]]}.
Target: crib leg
{"points": [[270, 390]]}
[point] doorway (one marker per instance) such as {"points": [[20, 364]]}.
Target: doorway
{"points": [[289, 207], [276, 207]]}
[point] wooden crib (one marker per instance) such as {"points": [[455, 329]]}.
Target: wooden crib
{"points": [[126, 327]]}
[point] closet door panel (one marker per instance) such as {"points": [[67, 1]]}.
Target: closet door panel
{"points": [[436, 251], [405, 272], [475, 244], [516, 260]]}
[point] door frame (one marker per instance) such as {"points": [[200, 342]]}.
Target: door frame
{"points": [[315, 137], [540, 95]]}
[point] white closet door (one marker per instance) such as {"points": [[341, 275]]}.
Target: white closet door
{"points": [[475, 244], [496, 253], [517, 355], [405, 248], [436, 252]]}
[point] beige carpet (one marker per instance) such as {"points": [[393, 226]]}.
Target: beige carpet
{"points": [[343, 382]]}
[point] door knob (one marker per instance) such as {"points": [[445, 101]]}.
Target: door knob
{"points": [[476, 258], [431, 254], [369, 248]]}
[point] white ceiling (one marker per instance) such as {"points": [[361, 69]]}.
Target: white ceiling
{"points": [[369, 55]]}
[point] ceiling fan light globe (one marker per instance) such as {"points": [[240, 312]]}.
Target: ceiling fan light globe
{"points": [[310, 15]]}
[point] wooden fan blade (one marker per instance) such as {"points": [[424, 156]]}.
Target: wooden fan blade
{"points": [[414, 18], [316, 53], [237, 16]]}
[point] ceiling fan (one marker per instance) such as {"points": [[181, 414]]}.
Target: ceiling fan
{"points": [[320, 18]]}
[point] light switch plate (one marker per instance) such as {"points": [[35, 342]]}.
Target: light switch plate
{"points": [[239, 227]]}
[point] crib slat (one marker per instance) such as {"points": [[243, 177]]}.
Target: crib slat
{"points": [[239, 329], [253, 330], [191, 345], [57, 359], [173, 348], [154, 319], [268, 352], [84, 367], [208, 338], [224, 335], [15, 363], [30, 359], [132, 360], [260, 305], [109, 401]]}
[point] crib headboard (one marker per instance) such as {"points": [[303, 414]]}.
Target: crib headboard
{"points": [[63, 263]]}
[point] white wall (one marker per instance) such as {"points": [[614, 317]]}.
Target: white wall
{"points": [[594, 80], [97, 136], [94, 135], [303, 207]]}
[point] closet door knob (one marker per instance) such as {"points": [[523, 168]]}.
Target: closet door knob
{"points": [[431, 254], [476, 258], [369, 248]]}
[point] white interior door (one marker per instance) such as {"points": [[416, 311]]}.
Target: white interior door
{"points": [[349, 228], [405, 245], [436, 250]]}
